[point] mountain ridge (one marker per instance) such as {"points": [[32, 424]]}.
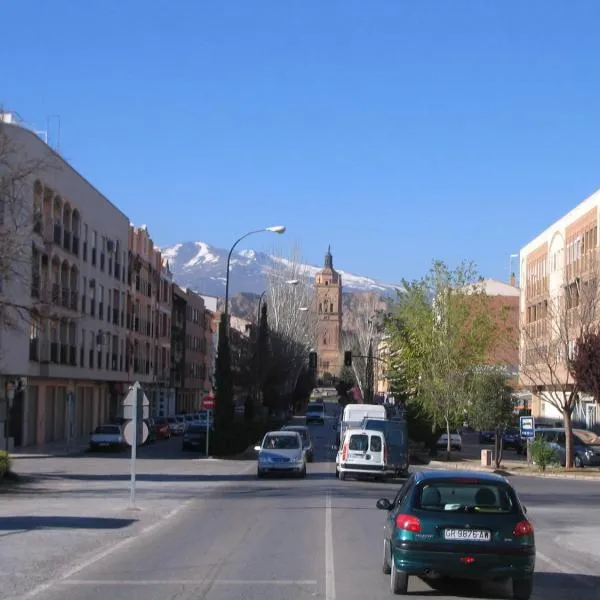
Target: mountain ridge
{"points": [[202, 268]]}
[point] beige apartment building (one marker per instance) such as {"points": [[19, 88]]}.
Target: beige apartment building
{"points": [[149, 307], [65, 359], [552, 267]]}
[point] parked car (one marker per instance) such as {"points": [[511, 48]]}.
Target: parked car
{"points": [[455, 441], [363, 452], [486, 437], [306, 441], [176, 425], [107, 437], [194, 438], [586, 446], [512, 440], [281, 452], [163, 431], [315, 412], [466, 525]]}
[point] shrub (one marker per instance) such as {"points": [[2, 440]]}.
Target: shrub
{"points": [[542, 454], [4, 463]]}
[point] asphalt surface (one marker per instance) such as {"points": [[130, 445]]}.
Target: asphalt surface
{"points": [[233, 536]]}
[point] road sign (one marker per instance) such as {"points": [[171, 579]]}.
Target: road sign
{"points": [[208, 403], [142, 433], [132, 400], [527, 426]]}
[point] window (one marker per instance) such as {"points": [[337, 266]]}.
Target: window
{"points": [[359, 443], [466, 495], [376, 445]]}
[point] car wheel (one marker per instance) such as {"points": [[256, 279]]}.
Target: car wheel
{"points": [[342, 475], [385, 565], [522, 588], [259, 473], [398, 580], [578, 462], [303, 473]]}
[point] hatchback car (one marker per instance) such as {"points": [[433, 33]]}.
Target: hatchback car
{"points": [[306, 441], [467, 525], [315, 412], [281, 452]]}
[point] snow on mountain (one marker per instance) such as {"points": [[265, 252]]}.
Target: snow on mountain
{"points": [[202, 267]]}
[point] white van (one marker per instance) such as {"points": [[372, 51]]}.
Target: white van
{"points": [[354, 414], [363, 452]]}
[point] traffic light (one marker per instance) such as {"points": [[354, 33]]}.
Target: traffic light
{"points": [[312, 360], [348, 358]]}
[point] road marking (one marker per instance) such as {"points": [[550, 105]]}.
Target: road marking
{"points": [[329, 562], [97, 582], [566, 569], [44, 587]]}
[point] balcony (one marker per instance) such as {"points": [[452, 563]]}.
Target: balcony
{"points": [[64, 354], [55, 296], [75, 246], [73, 356], [94, 257], [117, 271], [81, 357], [85, 251], [115, 316], [67, 240], [101, 310], [54, 352], [136, 365], [102, 260], [93, 307], [57, 237], [91, 358], [65, 297], [115, 361], [74, 301], [148, 330], [99, 359], [83, 303]]}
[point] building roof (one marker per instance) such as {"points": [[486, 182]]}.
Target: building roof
{"points": [[493, 287]]}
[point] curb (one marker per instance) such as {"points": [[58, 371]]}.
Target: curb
{"points": [[507, 472]]}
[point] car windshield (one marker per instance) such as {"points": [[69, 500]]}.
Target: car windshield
{"points": [[281, 442], [315, 408], [112, 429], [466, 496], [303, 434]]}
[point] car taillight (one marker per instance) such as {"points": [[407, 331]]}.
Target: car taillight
{"points": [[344, 452], [523, 528], [408, 523]]}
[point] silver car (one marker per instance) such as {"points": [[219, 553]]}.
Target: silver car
{"points": [[281, 452], [306, 441]]}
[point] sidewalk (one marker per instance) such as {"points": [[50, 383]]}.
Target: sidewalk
{"points": [[75, 448]]}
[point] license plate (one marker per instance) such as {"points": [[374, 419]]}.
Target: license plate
{"points": [[469, 535], [103, 444]]}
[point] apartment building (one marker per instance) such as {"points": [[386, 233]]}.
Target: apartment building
{"points": [[192, 349], [554, 268], [149, 307], [64, 360]]}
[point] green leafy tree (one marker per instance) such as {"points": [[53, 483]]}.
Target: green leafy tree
{"points": [[491, 405], [346, 381], [224, 407], [442, 329]]}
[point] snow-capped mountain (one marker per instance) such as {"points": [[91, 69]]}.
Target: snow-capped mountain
{"points": [[202, 268]]}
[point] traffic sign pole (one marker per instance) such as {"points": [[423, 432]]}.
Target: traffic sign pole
{"points": [[135, 415], [208, 415]]}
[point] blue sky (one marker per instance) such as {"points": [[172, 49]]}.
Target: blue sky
{"points": [[396, 131]]}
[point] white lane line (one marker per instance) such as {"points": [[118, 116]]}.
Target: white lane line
{"points": [[99, 582], [566, 569], [329, 561], [44, 587]]}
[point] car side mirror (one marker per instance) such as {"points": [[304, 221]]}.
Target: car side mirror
{"points": [[384, 504], [257, 448]]}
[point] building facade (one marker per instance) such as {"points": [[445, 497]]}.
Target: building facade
{"points": [[149, 307], [66, 358], [553, 268], [328, 283]]}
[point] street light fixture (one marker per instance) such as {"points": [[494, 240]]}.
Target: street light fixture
{"points": [[274, 229]]}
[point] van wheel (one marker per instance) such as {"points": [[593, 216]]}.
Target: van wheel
{"points": [[385, 566], [398, 581]]}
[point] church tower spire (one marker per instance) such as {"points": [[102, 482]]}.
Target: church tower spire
{"points": [[329, 258]]}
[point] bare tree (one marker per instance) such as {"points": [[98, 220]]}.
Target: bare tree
{"points": [[554, 320], [18, 173], [364, 328], [290, 297]]}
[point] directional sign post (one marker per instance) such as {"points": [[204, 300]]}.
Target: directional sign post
{"points": [[208, 404], [527, 431], [136, 408]]}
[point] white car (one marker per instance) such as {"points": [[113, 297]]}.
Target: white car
{"points": [[281, 452], [455, 441], [107, 437], [177, 426], [363, 452]]}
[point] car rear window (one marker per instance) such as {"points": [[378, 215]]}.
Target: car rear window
{"points": [[303, 434], [375, 443], [466, 496], [108, 429], [359, 442]]}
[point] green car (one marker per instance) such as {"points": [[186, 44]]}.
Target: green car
{"points": [[467, 525]]}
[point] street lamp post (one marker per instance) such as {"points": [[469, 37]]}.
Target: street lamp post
{"points": [[275, 229]]}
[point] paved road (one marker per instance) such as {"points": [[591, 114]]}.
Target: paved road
{"points": [[313, 538]]}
